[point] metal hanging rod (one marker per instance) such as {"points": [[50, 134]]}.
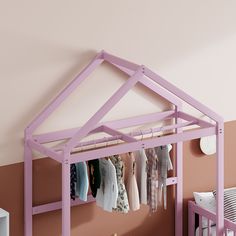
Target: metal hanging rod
{"points": [[131, 134]]}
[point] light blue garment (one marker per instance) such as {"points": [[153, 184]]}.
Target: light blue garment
{"points": [[82, 183]]}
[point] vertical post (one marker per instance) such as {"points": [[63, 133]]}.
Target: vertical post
{"points": [[191, 220], [66, 194], [28, 193], [179, 175], [220, 179]]}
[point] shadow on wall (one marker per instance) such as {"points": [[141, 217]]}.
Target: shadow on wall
{"points": [[15, 133], [138, 230], [195, 147], [147, 227]]}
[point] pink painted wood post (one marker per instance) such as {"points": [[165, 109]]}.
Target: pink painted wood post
{"points": [[28, 205], [179, 186], [200, 225], [66, 221], [220, 179], [191, 220]]}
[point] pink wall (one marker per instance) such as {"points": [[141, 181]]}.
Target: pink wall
{"points": [[89, 220]]}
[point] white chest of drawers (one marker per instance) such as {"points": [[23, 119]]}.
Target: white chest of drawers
{"points": [[4, 223]]}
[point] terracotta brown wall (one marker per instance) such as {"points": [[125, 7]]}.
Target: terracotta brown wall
{"points": [[89, 220]]}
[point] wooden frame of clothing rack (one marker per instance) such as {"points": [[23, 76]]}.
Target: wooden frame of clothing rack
{"points": [[66, 154]]}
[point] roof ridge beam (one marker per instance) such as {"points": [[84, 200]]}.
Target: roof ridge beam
{"points": [[120, 61]]}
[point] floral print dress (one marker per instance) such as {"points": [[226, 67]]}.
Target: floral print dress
{"points": [[122, 200]]}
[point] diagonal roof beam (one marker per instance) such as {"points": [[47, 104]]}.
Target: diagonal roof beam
{"points": [[128, 67], [64, 93], [150, 85], [182, 95], [110, 103]]}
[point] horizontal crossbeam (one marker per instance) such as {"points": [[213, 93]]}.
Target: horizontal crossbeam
{"points": [[116, 124], [44, 150], [146, 143], [57, 205]]}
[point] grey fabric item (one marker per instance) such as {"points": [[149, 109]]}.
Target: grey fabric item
{"points": [[164, 164], [152, 177], [229, 203], [82, 183]]}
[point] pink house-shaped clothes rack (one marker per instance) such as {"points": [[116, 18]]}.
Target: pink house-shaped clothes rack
{"points": [[66, 154]]}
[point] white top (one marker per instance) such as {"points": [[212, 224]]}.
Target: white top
{"points": [[107, 194], [141, 163], [3, 213], [4, 223], [132, 186]]}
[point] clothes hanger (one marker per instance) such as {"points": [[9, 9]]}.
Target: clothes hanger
{"points": [[106, 140], [80, 149], [95, 144], [117, 139], [152, 132], [141, 134]]}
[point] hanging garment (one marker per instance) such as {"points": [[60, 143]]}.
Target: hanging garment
{"points": [[107, 194], [73, 179], [165, 164], [152, 176], [170, 165], [82, 183], [141, 161], [131, 183], [94, 176], [122, 200]]}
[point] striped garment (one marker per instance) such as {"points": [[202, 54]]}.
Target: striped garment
{"points": [[73, 180], [229, 203], [164, 164], [152, 175]]}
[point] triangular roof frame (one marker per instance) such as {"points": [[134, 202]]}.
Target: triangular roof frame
{"points": [[137, 73]]}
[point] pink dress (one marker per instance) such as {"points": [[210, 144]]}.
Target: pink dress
{"points": [[131, 182]]}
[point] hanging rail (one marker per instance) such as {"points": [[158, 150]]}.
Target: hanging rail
{"points": [[121, 136]]}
